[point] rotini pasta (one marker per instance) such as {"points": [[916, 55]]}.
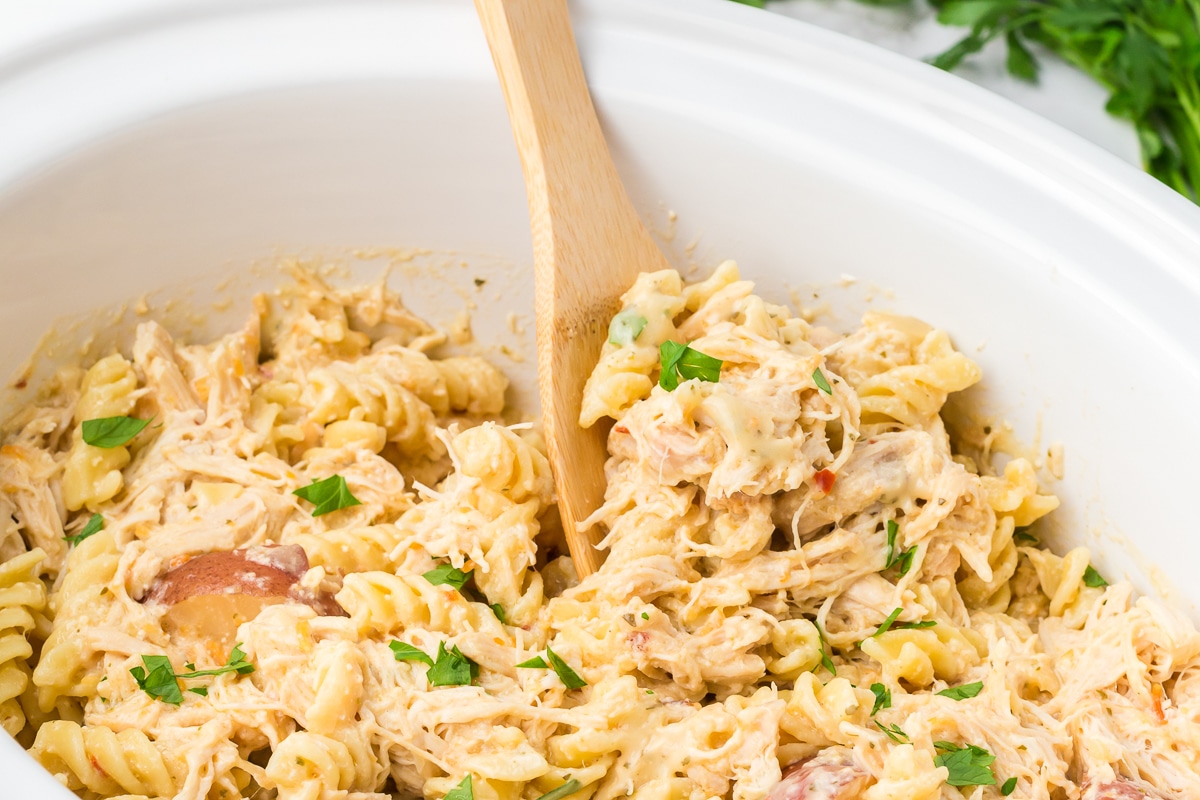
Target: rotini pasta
{"points": [[332, 572]]}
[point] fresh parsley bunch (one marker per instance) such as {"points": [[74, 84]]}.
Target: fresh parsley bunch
{"points": [[1145, 52]]}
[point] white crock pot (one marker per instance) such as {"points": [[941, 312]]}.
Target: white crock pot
{"points": [[172, 146]]}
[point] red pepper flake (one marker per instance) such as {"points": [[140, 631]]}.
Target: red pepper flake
{"points": [[824, 481], [620, 429], [1156, 691]]}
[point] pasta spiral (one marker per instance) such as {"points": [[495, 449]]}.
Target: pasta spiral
{"points": [[21, 595], [108, 763], [93, 474]]}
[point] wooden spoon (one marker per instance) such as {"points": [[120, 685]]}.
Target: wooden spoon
{"points": [[588, 243]]}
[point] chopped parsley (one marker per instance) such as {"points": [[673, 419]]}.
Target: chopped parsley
{"points": [[328, 495], [110, 432], [901, 558], [1023, 536], [819, 379], [962, 692], [448, 576], [626, 327], [968, 765], [1009, 787], [883, 698], [406, 652], [94, 525], [452, 668], [680, 361], [498, 610], [570, 787], [826, 650], [568, 676], [157, 678], [1092, 578], [645, 615], [893, 732], [464, 791]]}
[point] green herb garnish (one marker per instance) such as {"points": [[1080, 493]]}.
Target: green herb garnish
{"points": [[200, 690], [537, 662], [963, 692], [565, 674], [448, 576], [1009, 787], [893, 732], [157, 678], [110, 432], [679, 361], [826, 650], [883, 698], [901, 558], [570, 787], [464, 791], [968, 766], [645, 615], [328, 495], [452, 668], [498, 610], [626, 327], [1023, 536], [94, 525], [819, 379], [406, 652], [1092, 578]]}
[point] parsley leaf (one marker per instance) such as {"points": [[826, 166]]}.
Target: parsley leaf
{"points": [[883, 698], [681, 361], [1023, 536], [235, 663], [826, 650], [157, 679], [924, 623], [110, 432], [570, 787], [464, 791], [893, 732], [1009, 787], [1092, 578], [447, 575], [963, 692], [498, 610], [819, 379], [328, 495], [968, 766], [626, 327], [407, 652], [452, 668], [887, 622], [94, 525], [568, 676], [537, 662], [901, 558], [200, 690]]}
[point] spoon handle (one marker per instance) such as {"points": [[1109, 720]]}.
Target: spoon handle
{"points": [[588, 242]]}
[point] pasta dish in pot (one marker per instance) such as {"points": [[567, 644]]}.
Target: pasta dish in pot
{"points": [[309, 560]]}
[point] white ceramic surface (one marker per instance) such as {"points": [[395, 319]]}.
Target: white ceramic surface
{"points": [[178, 145]]}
